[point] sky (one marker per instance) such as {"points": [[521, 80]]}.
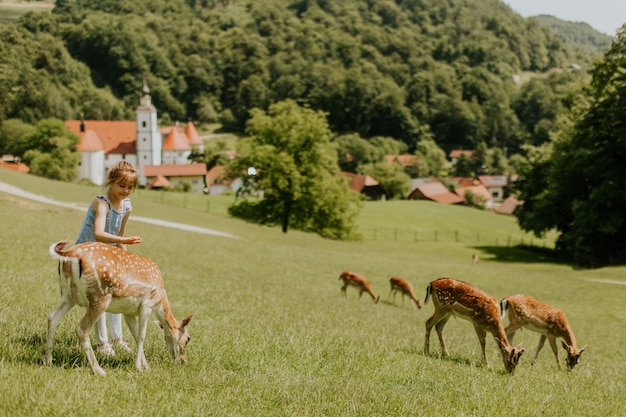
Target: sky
{"points": [[603, 15]]}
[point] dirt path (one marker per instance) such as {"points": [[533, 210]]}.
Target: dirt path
{"points": [[10, 189]]}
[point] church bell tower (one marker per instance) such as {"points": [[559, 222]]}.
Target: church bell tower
{"points": [[149, 145]]}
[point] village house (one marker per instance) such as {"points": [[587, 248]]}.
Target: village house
{"points": [[157, 153]]}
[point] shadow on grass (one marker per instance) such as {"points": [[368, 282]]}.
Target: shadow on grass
{"points": [[520, 254], [66, 353]]}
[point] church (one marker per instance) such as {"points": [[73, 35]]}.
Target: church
{"points": [[160, 154]]}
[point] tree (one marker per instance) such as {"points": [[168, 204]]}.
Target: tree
{"points": [[392, 178], [295, 170], [14, 137], [52, 151], [579, 187], [432, 159]]}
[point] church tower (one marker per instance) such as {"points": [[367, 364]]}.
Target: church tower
{"points": [[149, 145]]}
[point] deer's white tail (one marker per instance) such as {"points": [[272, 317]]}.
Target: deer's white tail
{"points": [[504, 303], [428, 291], [56, 251]]}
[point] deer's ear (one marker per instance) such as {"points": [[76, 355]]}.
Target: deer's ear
{"points": [[186, 320]]}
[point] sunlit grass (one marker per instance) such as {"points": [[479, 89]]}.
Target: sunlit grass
{"points": [[271, 335]]}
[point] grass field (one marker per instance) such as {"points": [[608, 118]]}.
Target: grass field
{"points": [[271, 335]]}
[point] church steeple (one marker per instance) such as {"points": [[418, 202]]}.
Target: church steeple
{"points": [[149, 144]]}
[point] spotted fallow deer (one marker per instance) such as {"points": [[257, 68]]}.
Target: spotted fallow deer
{"points": [[103, 278], [358, 281], [458, 298], [527, 312], [405, 288]]}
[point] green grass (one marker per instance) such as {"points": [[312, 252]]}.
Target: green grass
{"points": [[271, 335]]}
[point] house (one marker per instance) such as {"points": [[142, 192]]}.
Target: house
{"points": [[366, 185], [11, 162], [193, 174], [482, 196], [432, 189], [217, 183], [496, 184], [509, 205], [141, 142], [455, 154]]}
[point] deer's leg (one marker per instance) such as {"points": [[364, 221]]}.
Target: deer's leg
{"points": [[429, 326], [482, 339], [92, 314], [439, 328], [510, 331], [62, 308], [343, 290], [542, 340], [552, 340], [141, 363], [133, 324]]}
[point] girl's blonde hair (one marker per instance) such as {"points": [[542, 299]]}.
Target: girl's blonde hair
{"points": [[122, 172]]}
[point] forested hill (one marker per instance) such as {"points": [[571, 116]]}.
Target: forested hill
{"points": [[405, 69], [577, 34]]}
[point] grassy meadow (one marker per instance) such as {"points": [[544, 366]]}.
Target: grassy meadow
{"points": [[271, 335]]}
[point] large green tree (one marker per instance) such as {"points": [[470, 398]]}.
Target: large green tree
{"points": [[52, 151], [294, 182], [578, 186]]}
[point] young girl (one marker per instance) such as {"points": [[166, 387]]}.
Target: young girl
{"points": [[105, 222]]}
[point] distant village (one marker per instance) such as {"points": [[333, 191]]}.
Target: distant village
{"points": [[161, 157]]}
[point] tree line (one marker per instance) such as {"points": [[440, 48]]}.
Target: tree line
{"points": [[404, 69]]}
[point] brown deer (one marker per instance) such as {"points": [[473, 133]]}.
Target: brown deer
{"points": [[103, 278], [458, 298], [405, 288], [358, 281], [528, 312]]}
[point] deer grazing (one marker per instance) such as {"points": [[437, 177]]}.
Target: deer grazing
{"points": [[106, 278], [528, 312], [405, 288], [358, 281], [458, 298]]}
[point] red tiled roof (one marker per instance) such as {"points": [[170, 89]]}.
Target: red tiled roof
{"points": [[192, 135], [89, 142], [19, 167], [509, 205], [358, 182], [456, 153], [436, 191], [479, 190], [116, 136], [216, 176], [176, 141], [159, 181], [464, 181], [405, 160], [174, 170]]}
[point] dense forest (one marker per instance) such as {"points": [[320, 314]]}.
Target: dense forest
{"points": [[453, 71]]}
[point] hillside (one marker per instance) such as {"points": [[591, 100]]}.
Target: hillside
{"points": [[406, 69], [577, 34]]}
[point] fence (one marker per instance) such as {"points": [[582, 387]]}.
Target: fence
{"points": [[426, 235]]}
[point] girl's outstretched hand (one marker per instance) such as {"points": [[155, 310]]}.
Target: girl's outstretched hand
{"points": [[131, 240]]}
